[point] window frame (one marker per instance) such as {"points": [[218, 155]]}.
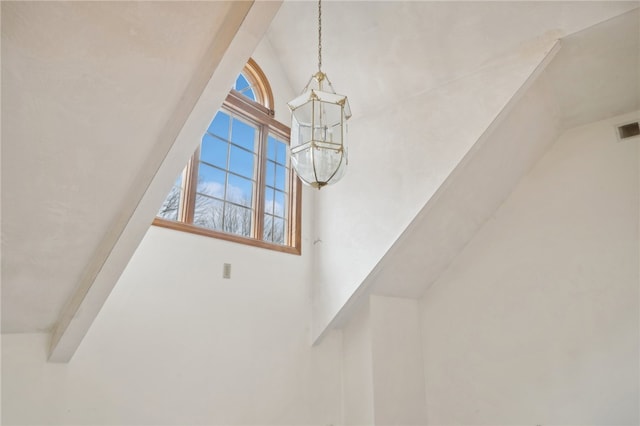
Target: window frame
{"points": [[262, 116]]}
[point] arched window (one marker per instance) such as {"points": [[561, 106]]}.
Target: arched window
{"points": [[253, 84], [239, 185]]}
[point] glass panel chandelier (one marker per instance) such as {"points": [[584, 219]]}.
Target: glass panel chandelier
{"points": [[319, 128]]}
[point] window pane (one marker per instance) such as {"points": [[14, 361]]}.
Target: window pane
{"points": [[277, 150], [220, 125], [243, 134], [237, 220], [270, 174], [249, 93], [243, 86], [267, 233], [214, 151], [268, 200], [239, 190], [278, 230], [171, 204], [208, 212], [211, 181], [281, 156], [271, 148], [279, 204], [241, 162], [281, 177], [241, 83]]}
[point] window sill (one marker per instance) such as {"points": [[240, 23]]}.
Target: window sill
{"points": [[185, 227]]}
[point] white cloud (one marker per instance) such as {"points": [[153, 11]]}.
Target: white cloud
{"points": [[216, 189]]}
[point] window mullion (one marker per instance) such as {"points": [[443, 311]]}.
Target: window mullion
{"points": [[260, 186], [294, 214], [190, 183]]}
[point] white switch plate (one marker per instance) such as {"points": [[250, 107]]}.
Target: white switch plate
{"points": [[226, 270]]}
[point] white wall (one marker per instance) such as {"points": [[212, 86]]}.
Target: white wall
{"points": [[357, 370], [383, 371], [537, 321], [398, 373], [177, 344]]}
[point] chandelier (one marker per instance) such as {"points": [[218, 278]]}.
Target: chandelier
{"points": [[318, 145]]}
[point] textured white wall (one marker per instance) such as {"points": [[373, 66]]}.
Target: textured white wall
{"points": [[383, 370], [537, 321], [398, 369], [357, 367], [177, 344]]}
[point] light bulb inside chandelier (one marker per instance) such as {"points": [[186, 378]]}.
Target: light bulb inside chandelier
{"points": [[318, 145]]}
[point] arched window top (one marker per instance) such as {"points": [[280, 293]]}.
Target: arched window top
{"points": [[253, 84]]}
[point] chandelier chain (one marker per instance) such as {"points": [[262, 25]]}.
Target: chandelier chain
{"points": [[320, 35]]}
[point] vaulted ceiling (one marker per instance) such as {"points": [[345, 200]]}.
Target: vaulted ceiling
{"points": [[385, 52], [101, 104], [87, 91]]}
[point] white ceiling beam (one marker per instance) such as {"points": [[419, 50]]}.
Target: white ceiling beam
{"points": [[243, 28]]}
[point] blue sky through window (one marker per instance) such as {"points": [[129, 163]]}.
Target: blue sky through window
{"points": [[243, 134], [220, 125], [275, 179], [242, 85], [214, 151], [211, 181], [227, 163]]}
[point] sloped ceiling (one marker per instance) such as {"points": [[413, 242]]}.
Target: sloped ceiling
{"points": [[89, 94], [380, 53], [597, 73]]}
